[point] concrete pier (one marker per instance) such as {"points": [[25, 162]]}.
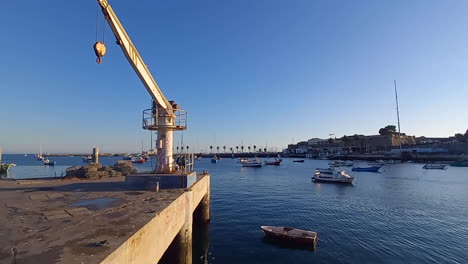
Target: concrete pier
{"points": [[99, 221]]}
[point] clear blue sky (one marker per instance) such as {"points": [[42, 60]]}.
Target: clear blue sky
{"points": [[262, 72]]}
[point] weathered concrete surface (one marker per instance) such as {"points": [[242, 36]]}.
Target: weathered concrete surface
{"points": [[58, 221]]}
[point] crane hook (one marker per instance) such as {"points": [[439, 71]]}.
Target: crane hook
{"points": [[99, 50]]}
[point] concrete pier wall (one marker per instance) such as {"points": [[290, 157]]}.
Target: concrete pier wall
{"points": [[149, 243]]}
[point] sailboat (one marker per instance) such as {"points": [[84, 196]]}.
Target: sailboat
{"points": [[39, 156]]}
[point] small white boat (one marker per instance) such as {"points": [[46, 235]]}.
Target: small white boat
{"points": [[49, 162], [255, 163], [332, 176], [435, 167]]}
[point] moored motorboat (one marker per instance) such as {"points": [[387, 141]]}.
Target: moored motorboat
{"points": [[435, 166], [127, 157], [276, 162], [138, 160], [300, 161], [331, 175], [367, 169], [88, 158], [291, 234], [255, 163], [49, 162]]}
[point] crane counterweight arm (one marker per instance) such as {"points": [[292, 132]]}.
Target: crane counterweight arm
{"points": [[134, 57]]}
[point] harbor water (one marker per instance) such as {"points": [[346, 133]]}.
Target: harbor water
{"points": [[404, 214]]}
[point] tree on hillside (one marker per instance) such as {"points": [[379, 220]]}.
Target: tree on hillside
{"points": [[387, 130], [237, 147], [224, 148], [255, 147], [211, 149]]}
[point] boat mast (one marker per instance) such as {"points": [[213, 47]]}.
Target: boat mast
{"points": [[398, 114]]}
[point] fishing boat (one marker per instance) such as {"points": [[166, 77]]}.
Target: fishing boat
{"points": [[341, 163], [331, 175], [255, 163], [214, 160], [88, 158], [5, 167], [435, 166], [276, 162], [127, 157], [460, 163], [367, 169], [48, 162], [39, 156], [300, 161], [291, 234]]}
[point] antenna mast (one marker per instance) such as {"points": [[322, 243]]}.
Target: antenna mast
{"points": [[398, 114]]}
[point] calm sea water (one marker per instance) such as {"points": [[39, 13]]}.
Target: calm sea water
{"points": [[402, 215]]}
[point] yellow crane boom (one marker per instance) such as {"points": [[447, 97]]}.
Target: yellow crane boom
{"points": [[165, 116]]}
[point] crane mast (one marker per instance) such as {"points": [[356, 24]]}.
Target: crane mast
{"points": [[165, 116]]}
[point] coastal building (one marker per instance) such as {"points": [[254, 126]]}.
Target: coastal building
{"points": [[316, 147]]}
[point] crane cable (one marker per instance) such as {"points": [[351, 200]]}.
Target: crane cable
{"points": [[99, 47]]}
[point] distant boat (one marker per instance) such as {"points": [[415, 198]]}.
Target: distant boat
{"points": [[276, 162], [127, 157], [460, 163], [435, 167], [140, 160], [48, 162], [332, 176], [301, 161], [367, 169], [291, 234], [39, 156], [88, 158], [25, 155], [255, 163]]}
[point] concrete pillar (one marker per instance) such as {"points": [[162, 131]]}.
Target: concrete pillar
{"points": [[96, 155], [205, 204], [184, 237]]}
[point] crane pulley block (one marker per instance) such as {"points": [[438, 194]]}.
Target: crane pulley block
{"points": [[99, 50]]}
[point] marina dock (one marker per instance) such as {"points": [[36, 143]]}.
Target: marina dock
{"points": [[97, 221]]}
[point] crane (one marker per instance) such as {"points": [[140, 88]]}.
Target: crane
{"points": [[165, 116]]}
